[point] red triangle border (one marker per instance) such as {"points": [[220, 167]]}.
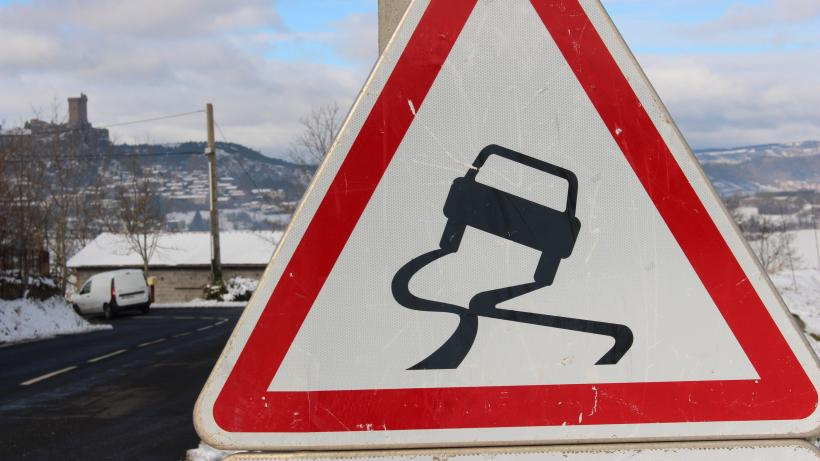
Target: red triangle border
{"points": [[783, 392]]}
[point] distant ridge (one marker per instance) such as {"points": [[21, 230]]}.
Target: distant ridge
{"points": [[773, 167]]}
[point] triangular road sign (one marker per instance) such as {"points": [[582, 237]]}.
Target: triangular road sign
{"points": [[509, 243]]}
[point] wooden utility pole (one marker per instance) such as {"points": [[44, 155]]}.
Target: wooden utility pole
{"points": [[216, 263]]}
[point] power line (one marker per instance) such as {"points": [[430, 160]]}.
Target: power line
{"points": [[110, 125], [154, 119], [147, 154], [238, 156]]}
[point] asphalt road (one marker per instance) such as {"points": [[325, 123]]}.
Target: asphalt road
{"points": [[121, 394]]}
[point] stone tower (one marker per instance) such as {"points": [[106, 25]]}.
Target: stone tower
{"points": [[78, 111]]}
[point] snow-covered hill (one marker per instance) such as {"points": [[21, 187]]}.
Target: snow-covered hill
{"points": [[763, 168]]}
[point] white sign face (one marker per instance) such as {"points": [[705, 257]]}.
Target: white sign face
{"points": [[718, 451], [509, 243]]}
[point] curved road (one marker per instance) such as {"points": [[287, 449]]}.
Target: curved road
{"points": [[121, 394]]}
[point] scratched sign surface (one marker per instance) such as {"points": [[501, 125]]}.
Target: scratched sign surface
{"points": [[509, 243]]}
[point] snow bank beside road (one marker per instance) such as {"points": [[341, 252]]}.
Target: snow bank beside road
{"points": [[26, 319], [206, 452]]}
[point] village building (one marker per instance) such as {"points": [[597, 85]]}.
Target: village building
{"points": [[181, 262]]}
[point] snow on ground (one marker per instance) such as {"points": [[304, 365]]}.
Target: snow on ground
{"points": [[206, 452], [801, 292], [199, 303], [240, 288], [27, 319], [807, 246], [7, 277], [800, 288]]}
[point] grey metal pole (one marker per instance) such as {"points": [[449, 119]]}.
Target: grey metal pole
{"points": [[390, 13], [216, 263]]}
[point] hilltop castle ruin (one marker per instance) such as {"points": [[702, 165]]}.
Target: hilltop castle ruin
{"points": [[77, 132]]}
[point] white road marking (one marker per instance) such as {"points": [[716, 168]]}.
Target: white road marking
{"points": [[48, 375], [103, 357], [117, 352], [151, 342]]}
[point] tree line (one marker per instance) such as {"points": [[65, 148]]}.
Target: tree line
{"points": [[55, 197]]}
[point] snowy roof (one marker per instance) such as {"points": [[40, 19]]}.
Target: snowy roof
{"points": [[238, 248]]}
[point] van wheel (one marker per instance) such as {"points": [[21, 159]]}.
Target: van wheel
{"points": [[145, 308], [76, 309], [108, 311]]}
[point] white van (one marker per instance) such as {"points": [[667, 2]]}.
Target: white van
{"points": [[110, 292]]}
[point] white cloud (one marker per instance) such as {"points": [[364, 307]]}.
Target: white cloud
{"points": [[136, 59], [356, 37], [138, 17], [743, 75], [770, 12], [723, 100]]}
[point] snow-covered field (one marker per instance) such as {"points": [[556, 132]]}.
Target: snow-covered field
{"points": [[801, 292], [800, 288], [28, 319], [807, 246]]}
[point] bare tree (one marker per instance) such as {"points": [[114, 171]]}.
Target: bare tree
{"points": [[5, 194], [771, 241], [56, 171], [22, 239], [137, 213], [75, 193], [319, 130]]}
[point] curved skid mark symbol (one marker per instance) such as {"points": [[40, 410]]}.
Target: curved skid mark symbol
{"points": [[507, 216]]}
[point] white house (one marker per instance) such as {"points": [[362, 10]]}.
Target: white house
{"points": [[181, 263]]}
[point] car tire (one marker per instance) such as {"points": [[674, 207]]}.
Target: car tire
{"points": [[76, 309], [109, 311], [145, 308]]}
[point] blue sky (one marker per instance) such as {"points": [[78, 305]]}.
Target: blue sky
{"points": [[311, 18], [731, 72]]}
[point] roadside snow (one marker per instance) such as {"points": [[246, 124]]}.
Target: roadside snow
{"points": [[27, 319], [240, 288], [199, 303], [10, 277], [206, 452]]}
